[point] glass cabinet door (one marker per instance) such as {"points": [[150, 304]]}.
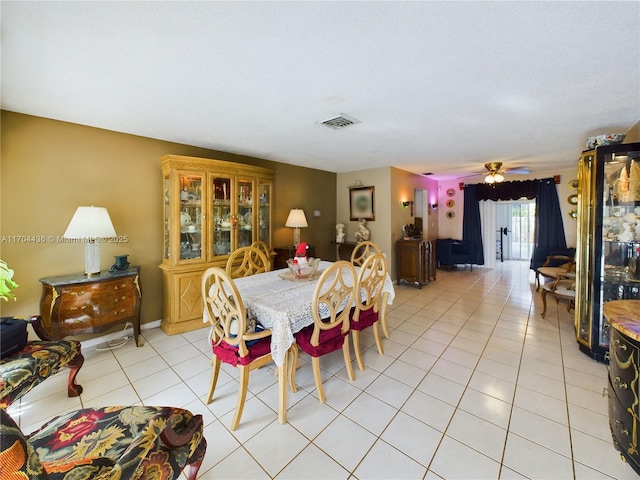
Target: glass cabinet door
{"points": [[245, 213], [264, 213], [223, 219], [608, 256], [190, 216]]}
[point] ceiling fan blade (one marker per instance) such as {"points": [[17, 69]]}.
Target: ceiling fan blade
{"points": [[519, 170], [472, 175]]}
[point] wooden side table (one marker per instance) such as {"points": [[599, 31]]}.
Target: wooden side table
{"points": [[72, 304], [285, 253], [344, 249]]}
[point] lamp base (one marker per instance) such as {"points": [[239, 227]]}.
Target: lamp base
{"points": [[91, 258], [296, 237]]}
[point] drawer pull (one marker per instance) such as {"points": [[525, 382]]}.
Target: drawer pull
{"points": [[118, 312], [619, 383], [620, 345], [621, 428], [81, 292]]}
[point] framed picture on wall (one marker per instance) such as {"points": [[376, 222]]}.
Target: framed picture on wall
{"points": [[361, 203]]}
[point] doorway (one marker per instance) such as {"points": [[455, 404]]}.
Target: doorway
{"points": [[515, 222]]}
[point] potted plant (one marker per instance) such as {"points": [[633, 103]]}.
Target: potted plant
{"points": [[7, 285]]}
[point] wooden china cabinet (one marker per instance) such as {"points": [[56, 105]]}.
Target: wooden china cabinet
{"points": [[210, 208]]}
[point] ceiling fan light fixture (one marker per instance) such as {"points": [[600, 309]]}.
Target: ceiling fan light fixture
{"points": [[498, 177], [489, 178]]}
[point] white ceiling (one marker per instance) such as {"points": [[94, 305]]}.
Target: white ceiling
{"points": [[440, 87]]}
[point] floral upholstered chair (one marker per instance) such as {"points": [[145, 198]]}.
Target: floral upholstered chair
{"points": [[36, 362], [106, 443]]}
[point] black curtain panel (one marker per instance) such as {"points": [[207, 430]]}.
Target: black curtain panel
{"points": [[549, 226], [471, 225]]}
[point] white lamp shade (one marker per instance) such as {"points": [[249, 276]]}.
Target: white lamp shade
{"points": [[89, 223], [296, 219], [489, 179]]}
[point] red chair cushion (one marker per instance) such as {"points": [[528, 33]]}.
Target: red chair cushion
{"points": [[229, 353], [330, 340], [365, 320]]}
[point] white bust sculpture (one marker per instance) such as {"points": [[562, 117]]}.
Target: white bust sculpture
{"points": [[339, 232], [362, 233]]}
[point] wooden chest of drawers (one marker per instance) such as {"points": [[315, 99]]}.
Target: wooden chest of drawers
{"points": [[624, 372], [73, 304], [415, 261]]}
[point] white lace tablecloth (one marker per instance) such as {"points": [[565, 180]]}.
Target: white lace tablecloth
{"points": [[284, 306]]}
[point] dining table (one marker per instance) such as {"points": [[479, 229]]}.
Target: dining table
{"points": [[282, 303]]}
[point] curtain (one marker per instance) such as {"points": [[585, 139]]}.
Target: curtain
{"points": [[471, 223], [549, 227], [489, 226]]}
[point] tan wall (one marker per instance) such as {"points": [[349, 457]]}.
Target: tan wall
{"points": [[48, 168], [633, 135]]}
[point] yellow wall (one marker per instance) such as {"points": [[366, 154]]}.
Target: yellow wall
{"points": [[49, 168]]}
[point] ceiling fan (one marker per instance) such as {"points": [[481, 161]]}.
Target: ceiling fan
{"points": [[495, 172]]}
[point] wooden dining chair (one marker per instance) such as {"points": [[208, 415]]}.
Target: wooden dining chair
{"points": [[371, 302], [231, 342], [331, 307], [247, 261], [264, 248], [363, 250]]}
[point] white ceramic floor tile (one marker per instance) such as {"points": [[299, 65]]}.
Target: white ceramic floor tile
{"points": [[370, 413], [341, 432], [385, 462], [456, 460], [324, 467], [436, 405], [415, 439]]}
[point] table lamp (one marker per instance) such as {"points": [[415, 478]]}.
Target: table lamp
{"points": [[88, 225], [296, 220]]}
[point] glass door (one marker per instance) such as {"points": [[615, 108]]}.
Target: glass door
{"points": [[190, 216], [521, 236], [223, 218], [245, 213], [264, 213]]}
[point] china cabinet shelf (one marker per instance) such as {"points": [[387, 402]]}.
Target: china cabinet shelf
{"points": [[608, 256], [211, 208]]}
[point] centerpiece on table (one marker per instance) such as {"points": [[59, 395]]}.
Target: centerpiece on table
{"points": [[301, 265]]}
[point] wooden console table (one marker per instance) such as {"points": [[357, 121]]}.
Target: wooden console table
{"points": [[73, 304]]}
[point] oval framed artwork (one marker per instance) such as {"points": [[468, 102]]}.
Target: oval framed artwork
{"points": [[450, 203], [573, 199], [451, 214], [451, 192]]}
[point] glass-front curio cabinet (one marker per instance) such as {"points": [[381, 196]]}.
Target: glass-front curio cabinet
{"points": [[211, 208], [608, 247]]}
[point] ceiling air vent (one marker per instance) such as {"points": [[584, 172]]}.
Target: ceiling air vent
{"points": [[339, 121]]}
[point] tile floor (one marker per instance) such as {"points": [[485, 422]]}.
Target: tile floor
{"points": [[473, 384]]}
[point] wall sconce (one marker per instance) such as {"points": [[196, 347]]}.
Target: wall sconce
{"points": [[89, 225], [406, 204], [434, 206]]}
